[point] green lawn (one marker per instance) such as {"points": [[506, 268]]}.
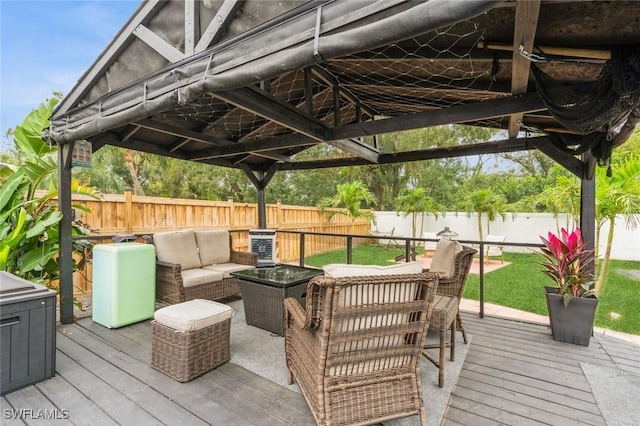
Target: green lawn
{"points": [[520, 285]]}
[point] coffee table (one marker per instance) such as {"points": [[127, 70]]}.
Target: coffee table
{"points": [[264, 290]]}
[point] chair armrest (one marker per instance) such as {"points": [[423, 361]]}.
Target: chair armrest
{"points": [[169, 285], [167, 271], [294, 313], [244, 258]]}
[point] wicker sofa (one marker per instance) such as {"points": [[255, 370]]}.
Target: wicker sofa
{"points": [[196, 264]]}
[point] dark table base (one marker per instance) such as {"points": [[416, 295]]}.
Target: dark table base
{"points": [[263, 304]]}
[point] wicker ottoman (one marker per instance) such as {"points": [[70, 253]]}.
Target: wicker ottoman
{"points": [[190, 338]]}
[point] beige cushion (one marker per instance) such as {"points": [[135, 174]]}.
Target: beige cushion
{"points": [[197, 276], [193, 315], [213, 246], [177, 247], [340, 270], [444, 257], [226, 268]]}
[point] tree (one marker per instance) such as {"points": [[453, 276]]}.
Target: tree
{"points": [[563, 196], [349, 197], [616, 195], [484, 201], [416, 202], [29, 235]]}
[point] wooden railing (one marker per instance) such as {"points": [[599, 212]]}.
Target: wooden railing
{"points": [[141, 215]]}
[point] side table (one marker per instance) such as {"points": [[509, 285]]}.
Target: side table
{"points": [[264, 290]]}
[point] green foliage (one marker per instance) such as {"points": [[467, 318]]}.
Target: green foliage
{"points": [[485, 202], [616, 195], [29, 235], [349, 199], [417, 203]]}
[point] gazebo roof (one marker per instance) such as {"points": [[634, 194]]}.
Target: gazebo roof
{"points": [[249, 84]]}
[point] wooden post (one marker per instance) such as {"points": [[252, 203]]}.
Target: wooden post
{"points": [[65, 229], [128, 211], [232, 213], [588, 203], [279, 218]]}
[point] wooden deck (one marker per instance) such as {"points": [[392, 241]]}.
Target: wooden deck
{"points": [[514, 373]]}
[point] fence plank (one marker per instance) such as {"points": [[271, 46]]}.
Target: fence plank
{"points": [[126, 214]]}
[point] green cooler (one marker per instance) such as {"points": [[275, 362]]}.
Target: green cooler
{"points": [[124, 283]]}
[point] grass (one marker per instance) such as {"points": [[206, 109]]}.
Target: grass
{"points": [[520, 285]]}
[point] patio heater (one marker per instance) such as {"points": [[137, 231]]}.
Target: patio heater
{"points": [[447, 233]]}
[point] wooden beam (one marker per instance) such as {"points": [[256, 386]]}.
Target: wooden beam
{"points": [[308, 91], [218, 24], [272, 156], [524, 34], [258, 145], [598, 55], [330, 80], [265, 105], [158, 44], [566, 160], [144, 13], [301, 105], [494, 147], [138, 145], [433, 83], [180, 132], [456, 114], [191, 25]]}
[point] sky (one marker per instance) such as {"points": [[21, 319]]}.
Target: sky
{"points": [[46, 46]]}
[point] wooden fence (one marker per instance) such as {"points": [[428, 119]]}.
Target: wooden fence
{"points": [[130, 214]]}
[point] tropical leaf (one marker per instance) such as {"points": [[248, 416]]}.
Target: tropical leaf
{"points": [[28, 136], [8, 189], [37, 258], [41, 226]]}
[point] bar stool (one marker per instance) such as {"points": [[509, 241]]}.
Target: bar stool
{"points": [[443, 317]]}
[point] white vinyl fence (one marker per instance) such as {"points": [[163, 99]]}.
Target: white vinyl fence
{"points": [[517, 228]]}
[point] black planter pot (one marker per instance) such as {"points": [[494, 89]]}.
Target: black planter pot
{"points": [[573, 323]]}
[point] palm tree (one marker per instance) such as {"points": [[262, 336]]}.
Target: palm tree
{"points": [[349, 197], [563, 196], [616, 195], [416, 202], [485, 201]]}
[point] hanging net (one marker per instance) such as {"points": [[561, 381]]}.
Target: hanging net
{"points": [[593, 111]]}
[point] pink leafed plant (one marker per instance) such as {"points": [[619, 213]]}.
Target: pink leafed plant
{"points": [[569, 264]]}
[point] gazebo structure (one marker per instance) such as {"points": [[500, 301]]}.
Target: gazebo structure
{"points": [[249, 84]]}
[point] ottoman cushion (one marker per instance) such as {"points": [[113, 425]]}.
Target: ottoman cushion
{"points": [[193, 314]]}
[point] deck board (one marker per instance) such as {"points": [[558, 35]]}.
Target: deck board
{"points": [[514, 373]]}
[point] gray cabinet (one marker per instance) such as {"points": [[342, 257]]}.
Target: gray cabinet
{"points": [[27, 333]]}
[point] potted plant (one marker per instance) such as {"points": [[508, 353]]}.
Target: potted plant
{"points": [[572, 302]]}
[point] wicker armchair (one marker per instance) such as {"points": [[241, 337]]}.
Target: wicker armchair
{"points": [[355, 351], [453, 285], [446, 311]]}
